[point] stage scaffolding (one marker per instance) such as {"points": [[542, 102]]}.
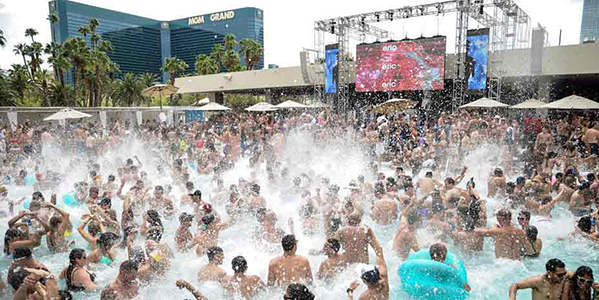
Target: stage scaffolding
{"points": [[509, 29]]}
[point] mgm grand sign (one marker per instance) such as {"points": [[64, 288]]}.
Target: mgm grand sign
{"points": [[221, 16]]}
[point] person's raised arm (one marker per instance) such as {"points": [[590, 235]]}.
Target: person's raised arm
{"points": [[524, 284], [15, 219], [66, 222], [84, 234], [488, 232]]}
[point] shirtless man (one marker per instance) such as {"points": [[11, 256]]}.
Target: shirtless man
{"points": [[240, 284], [592, 139], [544, 138], [183, 235], [334, 263], [208, 234], [289, 268], [580, 203], [438, 253], [355, 239], [256, 201], [125, 286], [427, 184], [547, 286], [212, 271], [384, 211], [405, 239], [375, 277], [496, 183], [161, 202], [508, 239]]}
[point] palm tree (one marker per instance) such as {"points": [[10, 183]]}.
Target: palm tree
{"points": [[77, 51], [61, 94], [61, 64], [206, 65], [53, 18], [172, 66], [35, 51], [217, 54], [84, 30], [44, 78], [252, 52], [18, 80], [128, 90], [231, 61], [148, 79], [93, 25], [20, 49], [2, 39], [6, 95], [230, 42], [31, 32]]}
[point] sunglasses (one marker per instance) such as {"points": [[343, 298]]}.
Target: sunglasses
{"points": [[561, 275], [521, 218], [584, 280]]}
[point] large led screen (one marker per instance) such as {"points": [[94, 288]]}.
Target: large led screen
{"points": [[477, 57], [331, 75], [400, 66]]}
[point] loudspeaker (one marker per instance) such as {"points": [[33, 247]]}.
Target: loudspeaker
{"points": [[304, 65]]}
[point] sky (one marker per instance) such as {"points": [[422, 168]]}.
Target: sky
{"points": [[288, 25]]}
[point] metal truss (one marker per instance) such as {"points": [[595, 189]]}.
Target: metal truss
{"points": [[509, 24]]}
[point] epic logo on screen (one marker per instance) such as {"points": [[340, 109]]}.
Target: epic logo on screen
{"points": [[391, 84], [390, 48]]}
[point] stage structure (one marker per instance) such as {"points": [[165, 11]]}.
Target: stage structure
{"points": [[508, 23]]}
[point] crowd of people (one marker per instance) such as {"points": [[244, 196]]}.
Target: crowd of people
{"points": [[119, 210]]}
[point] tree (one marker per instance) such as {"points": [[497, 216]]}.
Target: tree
{"points": [[206, 65], [18, 80], [20, 49], [77, 51], [43, 80], [31, 32], [93, 24], [53, 18], [251, 51], [35, 51], [6, 95], [148, 79], [2, 39], [56, 57], [229, 42], [172, 66], [128, 91], [84, 30], [231, 61], [218, 52], [61, 94]]}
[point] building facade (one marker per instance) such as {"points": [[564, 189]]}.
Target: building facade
{"points": [[589, 30], [142, 45]]}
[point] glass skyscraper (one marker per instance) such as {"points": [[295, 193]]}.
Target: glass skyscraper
{"points": [[589, 30], [141, 45]]}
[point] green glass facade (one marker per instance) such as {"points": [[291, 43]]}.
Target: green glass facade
{"points": [[141, 45]]}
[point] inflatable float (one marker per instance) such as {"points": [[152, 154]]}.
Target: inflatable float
{"points": [[423, 278], [69, 200]]}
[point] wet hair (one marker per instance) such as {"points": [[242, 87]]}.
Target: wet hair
{"points": [[590, 177], [10, 235], [111, 177], [21, 252], [449, 180], [371, 276], [55, 221], [581, 272], [128, 266], [185, 217], [107, 239], [585, 224], [239, 264], [154, 234], [526, 214], [428, 174], [553, 264], [379, 188], [298, 291], [137, 255], [288, 242], [213, 251], [520, 180], [154, 218], [505, 213], [75, 254], [334, 244], [16, 278], [436, 249], [531, 233], [208, 219]]}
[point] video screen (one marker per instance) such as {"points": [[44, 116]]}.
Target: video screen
{"points": [[477, 57], [401, 66], [331, 75]]}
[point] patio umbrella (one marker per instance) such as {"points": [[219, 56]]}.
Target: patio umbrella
{"points": [[213, 106], [67, 113], [202, 102], [573, 102], [393, 105], [262, 106], [484, 103], [530, 104], [160, 89], [291, 104]]}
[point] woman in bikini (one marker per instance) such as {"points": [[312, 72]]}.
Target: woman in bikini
{"points": [[77, 278]]}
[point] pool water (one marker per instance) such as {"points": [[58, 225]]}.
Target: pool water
{"points": [[342, 161]]}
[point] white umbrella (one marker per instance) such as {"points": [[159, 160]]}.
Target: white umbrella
{"points": [[530, 104], [573, 102], [393, 105], [160, 89], [202, 102], [484, 103], [67, 113], [213, 106], [320, 105], [291, 104], [262, 106]]}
